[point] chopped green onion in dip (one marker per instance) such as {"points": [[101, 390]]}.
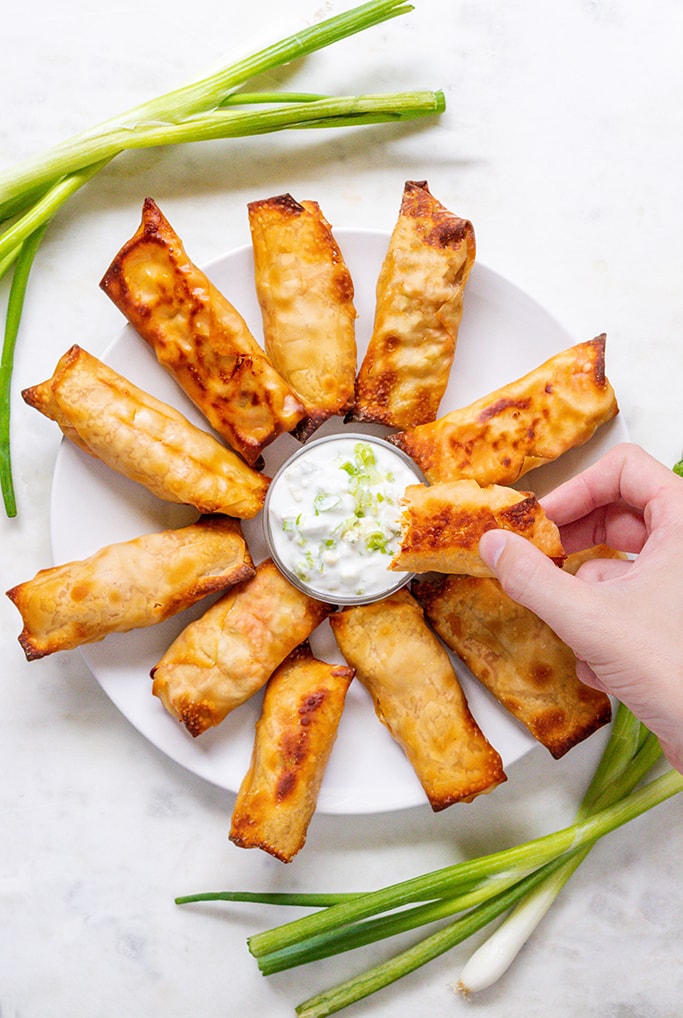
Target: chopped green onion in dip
{"points": [[333, 516]]}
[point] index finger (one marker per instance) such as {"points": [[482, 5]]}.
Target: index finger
{"points": [[616, 525], [624, 474]]}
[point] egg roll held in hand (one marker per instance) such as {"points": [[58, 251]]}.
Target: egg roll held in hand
{"points": [[302, 708], [522, 425], [200, 338], [441, 525], [418, 309], [129, 585], [144, 439], [228, 654], [306, 296], [519, 659], [416, 693]]}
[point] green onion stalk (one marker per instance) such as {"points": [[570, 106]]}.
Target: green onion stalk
{"points": [[216, 106], [459, 900]]}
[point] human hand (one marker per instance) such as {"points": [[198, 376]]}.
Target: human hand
{"points": [[622, 618]]}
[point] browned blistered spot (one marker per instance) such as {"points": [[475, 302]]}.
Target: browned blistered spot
{"points": [[382, 390], [439, 227], [449, 232], [448, 526], [196, 717], [81, 591], [343, 671], [428, 591], [541, 674], [295, 745], [598, 347], [285, 785], [502, 404], [283, 202], [550, 721], [343, 283], [191, 370], [306, 427], [310, 705], [294, 749], [521, 516]]}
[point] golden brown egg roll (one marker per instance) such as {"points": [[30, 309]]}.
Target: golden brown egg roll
{"points": [[129, 585], [302, 707], [441, 525], [144, 439], [419, 302], [200, 338], [228, 654], [522, 425], [519, 659], [305, 292], [416, 693]]}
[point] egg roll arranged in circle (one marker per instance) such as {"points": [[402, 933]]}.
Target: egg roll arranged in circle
{"points": [[418, 310], [522, 425], [145, 439], [302, 707], [410, 677], [129, 585], [305, 292], [227, 655], [200, 338], [516, 656]]}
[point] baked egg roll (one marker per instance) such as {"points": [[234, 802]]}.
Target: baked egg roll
{"points": [[522, 425], [221, 659], [144, 439], [129, 585], [419, 300], [417, 696], [200, 338], [516, 656], [305, 292], [302, 707], [441, 525]]}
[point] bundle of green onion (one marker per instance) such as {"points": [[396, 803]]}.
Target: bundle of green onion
{"points": [[464, 898], [31, 193]]}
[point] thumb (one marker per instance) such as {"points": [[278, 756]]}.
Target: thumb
{"points": [[531, 578]]}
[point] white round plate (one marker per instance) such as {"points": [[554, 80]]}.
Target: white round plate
{"points": [[503, 335]]}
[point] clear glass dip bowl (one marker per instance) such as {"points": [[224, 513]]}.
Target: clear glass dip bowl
{"points": [[331, 517]]}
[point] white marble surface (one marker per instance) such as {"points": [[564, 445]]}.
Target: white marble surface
{"points": [[562, 142]]}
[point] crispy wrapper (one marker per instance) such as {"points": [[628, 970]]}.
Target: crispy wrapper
{"points": [[144, 439], [302, 708], [416, 693], [519, 659], [200, 338], [441, 525], [228, 654], [419, 302], [305, 292], [129, 585], [523, 425]]}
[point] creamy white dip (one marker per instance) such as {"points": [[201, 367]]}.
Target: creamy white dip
{"points": [[332, 515]]}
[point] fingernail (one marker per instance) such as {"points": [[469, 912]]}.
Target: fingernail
{"points": [[491, 545]]}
